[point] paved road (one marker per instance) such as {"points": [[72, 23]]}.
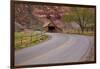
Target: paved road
{"points": [[59, 48]]}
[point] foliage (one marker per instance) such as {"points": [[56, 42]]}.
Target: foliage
{"points": [[87, 33], [24, 39], [82, 16]]}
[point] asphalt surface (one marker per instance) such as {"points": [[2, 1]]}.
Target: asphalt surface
{"points": [[60, 48]]}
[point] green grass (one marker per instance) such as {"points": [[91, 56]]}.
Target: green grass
{"points": [[27, 39], [87, 33]]}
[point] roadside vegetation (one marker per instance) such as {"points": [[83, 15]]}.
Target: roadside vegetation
{"points": [[27, 39], [87, 33], [84, 17]]}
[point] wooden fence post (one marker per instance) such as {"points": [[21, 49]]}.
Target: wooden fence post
{"points": [[21, 40], [31, 38]]}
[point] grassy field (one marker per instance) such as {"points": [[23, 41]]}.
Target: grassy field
{"points": [[26, 39]]}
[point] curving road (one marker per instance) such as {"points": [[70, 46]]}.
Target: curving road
{"points": [[58, 49]]}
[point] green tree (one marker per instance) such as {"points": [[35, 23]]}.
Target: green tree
{"points": [[82, 16]]}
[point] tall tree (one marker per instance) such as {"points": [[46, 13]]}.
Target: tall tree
{"points": [[82, 16]]}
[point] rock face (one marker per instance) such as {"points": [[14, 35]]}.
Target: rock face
{"points": [[34, 17], [24, 18], [72, 25]]}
